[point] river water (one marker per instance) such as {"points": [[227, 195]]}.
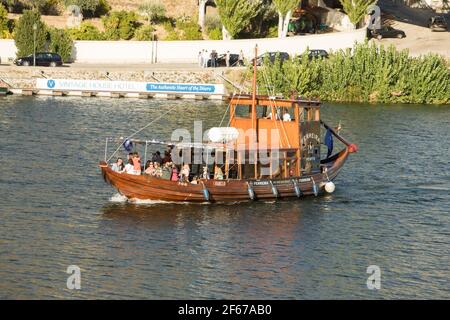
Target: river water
{"points": [[390, 209]]}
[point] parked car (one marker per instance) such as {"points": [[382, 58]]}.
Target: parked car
{"points": [[437, 23], [388, 32], [42, 59], [272, 57], [221, 62], [317, 53]]}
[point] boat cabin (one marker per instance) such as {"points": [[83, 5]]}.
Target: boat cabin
{"points": [[283, 129]]}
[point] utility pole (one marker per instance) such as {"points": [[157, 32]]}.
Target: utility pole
{"points": [[34, 43]]}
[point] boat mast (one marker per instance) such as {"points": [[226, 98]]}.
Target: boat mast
{"points": [[254, 121]]}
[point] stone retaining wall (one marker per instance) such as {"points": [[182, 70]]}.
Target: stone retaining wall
{"points": [[25, 78]]}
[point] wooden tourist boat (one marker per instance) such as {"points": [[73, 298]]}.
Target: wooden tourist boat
{"points": [[290, 140]]}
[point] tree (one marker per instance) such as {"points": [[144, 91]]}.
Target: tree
{"points": [[144, 33], [23, 33], [35, 4], [284, 8], [61, 43], [9, 4], [88, 7], [201, 13], [236, 15], [86, 31], [356, 9], [120, 25], [3, 19], [153, 10]]}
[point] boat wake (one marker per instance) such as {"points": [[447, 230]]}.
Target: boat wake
{"points": [[118, 198]]}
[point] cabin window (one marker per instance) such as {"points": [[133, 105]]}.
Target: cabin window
{"points": [[282, 113], [243, 111], [262, 111]]}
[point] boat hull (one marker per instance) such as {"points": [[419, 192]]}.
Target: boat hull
{"points": [[145, 187]]}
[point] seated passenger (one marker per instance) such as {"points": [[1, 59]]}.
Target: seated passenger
{"points": [[150, 169], [167, 157], [158, 171], [205, 174], [118, 165], [137, 164], [286, 116], [194, 180], [129, 167], [157, 157], [270, 116], [174, 173], [166, 171], [218, 174], [184, 173]]}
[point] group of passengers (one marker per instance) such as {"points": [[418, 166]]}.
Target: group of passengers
{"points": [[162, 168]]}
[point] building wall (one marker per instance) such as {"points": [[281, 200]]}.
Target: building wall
{"points": [[187, 51]]}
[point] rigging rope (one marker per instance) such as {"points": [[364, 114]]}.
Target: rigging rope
{"points": [[272, 99], [239, 97], [136, 132]]}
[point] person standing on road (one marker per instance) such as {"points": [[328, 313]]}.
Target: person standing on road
{"points": [[205, 59], [241, 58], [213, 58], [200, 58], [227, 59]]}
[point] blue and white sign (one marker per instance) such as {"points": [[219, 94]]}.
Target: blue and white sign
{"points": [[128, 86]]}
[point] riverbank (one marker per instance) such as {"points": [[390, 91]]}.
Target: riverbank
{"points": [[25, 77], [113, 79], [366, 73]]}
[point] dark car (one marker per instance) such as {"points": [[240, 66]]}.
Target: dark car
{"points": [[437, 23], [42, 59], [221, 62], [272, 57], [388, 32], [317, 53]]}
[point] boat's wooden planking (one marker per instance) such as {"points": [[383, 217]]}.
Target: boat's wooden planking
{"points": [[145, 187]]}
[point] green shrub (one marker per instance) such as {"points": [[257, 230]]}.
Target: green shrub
{"points": [[3, 19], [86, 31], [102, 9], [272, 32], [215, 34], [61, 43], [23, 33], [189, 30], [120, 25], [212, 22], [9, 4], [172, 36], [87, 7], [144, 33], [154, 10], [365, 74]]}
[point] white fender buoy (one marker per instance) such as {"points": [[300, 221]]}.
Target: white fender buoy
{"points": [[274, 190], [315, 189], [330, 187], [251, 193]]}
